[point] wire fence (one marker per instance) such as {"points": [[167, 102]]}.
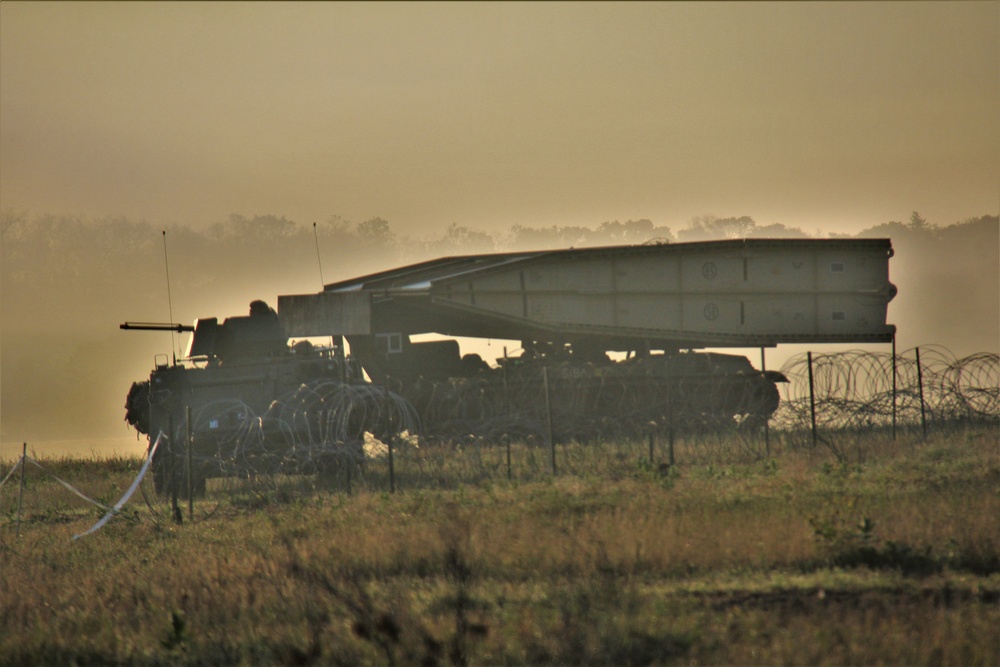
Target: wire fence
{"points": [[365, 437], [566, 422], [857, 389]]}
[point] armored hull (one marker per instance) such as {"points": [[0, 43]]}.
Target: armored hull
{"points": [[247, 402], [252, 416]]}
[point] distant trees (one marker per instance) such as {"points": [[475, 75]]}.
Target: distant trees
{"points": [[67, 282], [375, 233], [460, 240], [633, 232], [917, 222], [947, 278], [607, 233], [94, 270], [258, 228], [709, 227]]}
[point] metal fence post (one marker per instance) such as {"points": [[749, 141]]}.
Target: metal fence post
{"points": [[548, 416], [190, 468], [894, 387], [767, 426], [392, 467], [506, 410], [670, 411], [174, 481], [389, 434], [812, 397], [506, 438], [920, 387], [20, 492]]}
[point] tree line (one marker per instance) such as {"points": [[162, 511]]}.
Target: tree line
{"points": [[66, 282]]}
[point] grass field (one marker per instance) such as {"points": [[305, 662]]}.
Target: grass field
{"points": [[864, 550]]}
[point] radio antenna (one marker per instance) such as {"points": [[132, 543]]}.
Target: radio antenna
{"points": [[170, 302], [319, 260], [322, 283]]}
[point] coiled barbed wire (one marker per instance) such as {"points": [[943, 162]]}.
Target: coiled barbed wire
{"points": [[854, 389], [325, 422], [317, 425], [587, 402]]}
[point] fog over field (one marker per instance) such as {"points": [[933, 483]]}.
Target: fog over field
{"points": [[408, 131], [68, 283]]}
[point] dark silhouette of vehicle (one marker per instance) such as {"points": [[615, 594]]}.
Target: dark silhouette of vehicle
{"points": [[608, 346]]}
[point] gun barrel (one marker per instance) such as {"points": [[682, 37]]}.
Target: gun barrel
{"points": [[156, 326]]}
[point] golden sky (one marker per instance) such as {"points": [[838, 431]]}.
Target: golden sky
{"points": [[824, 116]]}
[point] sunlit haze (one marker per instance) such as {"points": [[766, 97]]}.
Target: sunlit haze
{"points": [[831, 117], [408, 131]]}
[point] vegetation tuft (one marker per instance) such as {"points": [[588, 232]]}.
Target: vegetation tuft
{"points": [[726, 557]]}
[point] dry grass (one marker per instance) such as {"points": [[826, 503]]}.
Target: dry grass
{"points": [[794, 559]]}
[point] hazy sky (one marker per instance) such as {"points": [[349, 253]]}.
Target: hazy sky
{"points": [[832, 116]]}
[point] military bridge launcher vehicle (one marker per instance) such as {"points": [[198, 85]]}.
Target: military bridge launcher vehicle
{"points": [[608, 345]]}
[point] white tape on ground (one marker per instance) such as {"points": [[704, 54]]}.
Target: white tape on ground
{"points": [[19, 462], [68, 486], [128, 494]]}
